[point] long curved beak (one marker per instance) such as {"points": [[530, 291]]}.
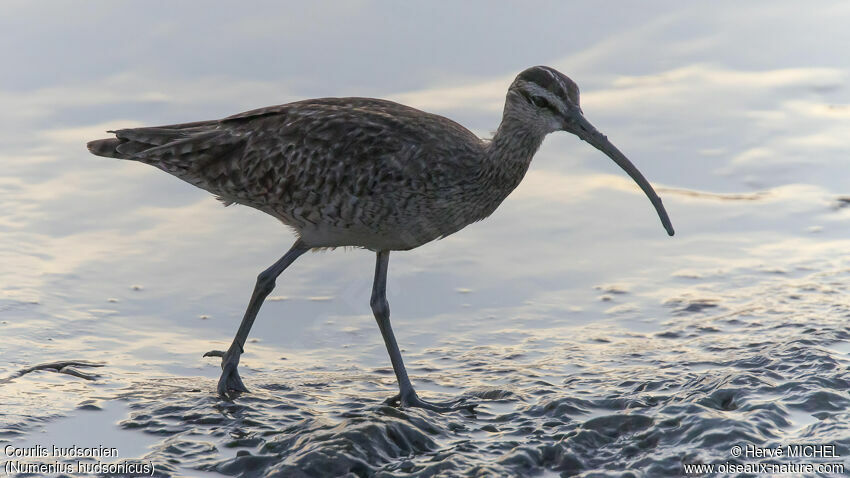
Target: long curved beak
{"points": [[582, 128]]}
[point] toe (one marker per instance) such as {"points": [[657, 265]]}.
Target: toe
{"points": [[236, 382], [230, 383], [395, 400], [439, 407], [222, 387]]}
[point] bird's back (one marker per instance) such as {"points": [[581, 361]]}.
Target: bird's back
{"points": [[341, 171]]}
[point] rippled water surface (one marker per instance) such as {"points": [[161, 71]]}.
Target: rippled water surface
{"points": [[594, 344]]}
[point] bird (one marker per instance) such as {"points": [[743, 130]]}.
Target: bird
{"points": [[364, 173]]}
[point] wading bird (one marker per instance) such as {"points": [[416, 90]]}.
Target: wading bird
{"points": [[366, 173]]}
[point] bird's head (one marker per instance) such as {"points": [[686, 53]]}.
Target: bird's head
{"points": [[545, 100]]}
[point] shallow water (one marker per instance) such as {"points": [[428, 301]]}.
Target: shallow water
{"points": [[594, 344]]}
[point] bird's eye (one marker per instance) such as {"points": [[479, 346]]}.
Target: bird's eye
{"points": [[539, 101]]}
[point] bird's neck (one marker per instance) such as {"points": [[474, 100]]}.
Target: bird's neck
{"points": [[510, 152]]}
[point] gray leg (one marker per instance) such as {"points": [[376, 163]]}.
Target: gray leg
{"points": [[230, 379], [381, 308]]}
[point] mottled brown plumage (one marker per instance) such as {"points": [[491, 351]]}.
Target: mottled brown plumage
{"points": [[364, 172], [340, 171]]}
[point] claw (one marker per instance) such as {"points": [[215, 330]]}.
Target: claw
{"points": [[230, 383]]}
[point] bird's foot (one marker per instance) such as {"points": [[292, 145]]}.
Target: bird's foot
{"points": [[413, 400], [230, 383]]}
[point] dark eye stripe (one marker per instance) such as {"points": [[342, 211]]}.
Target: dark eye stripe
{"points": [[538, 101]]}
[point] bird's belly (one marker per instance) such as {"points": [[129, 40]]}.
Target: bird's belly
{"points": [[324, 235], [383, 222], [396, 235]]}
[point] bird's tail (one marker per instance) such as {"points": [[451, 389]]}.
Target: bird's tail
{"points": [[201, 153], [107, 148], [160, 142]]}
